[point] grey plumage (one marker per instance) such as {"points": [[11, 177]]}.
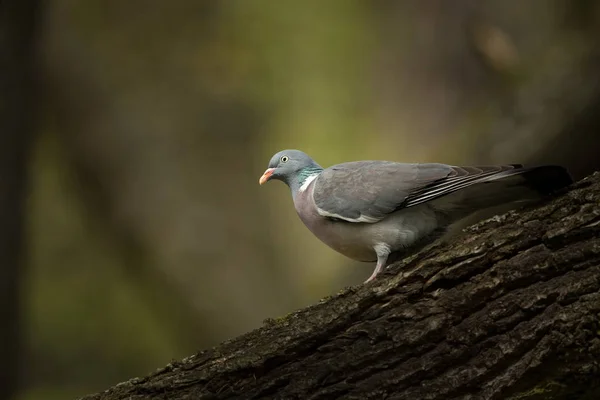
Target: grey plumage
{"points": [[368, 210], [383, 186]]}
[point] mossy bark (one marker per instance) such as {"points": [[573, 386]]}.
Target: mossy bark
{"points": [[509, 310]]}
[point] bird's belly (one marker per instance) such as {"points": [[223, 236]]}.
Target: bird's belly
{"points": [[344, 237], [357, 241], [350, 243]]}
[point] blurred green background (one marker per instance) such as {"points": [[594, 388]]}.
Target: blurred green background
{"points": [[133, 134]]}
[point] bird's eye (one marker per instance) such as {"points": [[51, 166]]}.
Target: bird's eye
{"points": [[284, 159]]}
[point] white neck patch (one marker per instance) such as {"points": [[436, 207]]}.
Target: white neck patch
{"points": [[307, 182]]}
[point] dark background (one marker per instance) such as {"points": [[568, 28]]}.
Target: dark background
{"points": [[133, 230]]}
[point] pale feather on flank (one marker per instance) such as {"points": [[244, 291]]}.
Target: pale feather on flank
{"points": [[362, 218], [307, 182]]}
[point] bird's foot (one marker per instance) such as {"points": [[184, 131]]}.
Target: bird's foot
{"points": [[371, 278], [376, 272]]}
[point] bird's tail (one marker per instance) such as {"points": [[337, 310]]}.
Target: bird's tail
{"points": [[505, 190], [546, 179]]}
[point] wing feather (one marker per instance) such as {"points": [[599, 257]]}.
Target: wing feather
{"points": [[367, 191]]}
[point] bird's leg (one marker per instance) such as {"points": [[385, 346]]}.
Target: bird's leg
{"points": [[382, 255]]}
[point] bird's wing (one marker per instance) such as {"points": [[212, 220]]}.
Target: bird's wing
{"points": [[367, 191]]}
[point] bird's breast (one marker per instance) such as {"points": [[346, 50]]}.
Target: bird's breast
{"points": [[344, 237]]}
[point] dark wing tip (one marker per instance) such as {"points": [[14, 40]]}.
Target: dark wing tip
{"points": [[547, 179]]}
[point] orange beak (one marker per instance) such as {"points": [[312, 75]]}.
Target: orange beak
{"points": [[266, 176]]}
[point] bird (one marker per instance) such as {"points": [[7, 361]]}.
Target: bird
{"points": [[370, 210]]}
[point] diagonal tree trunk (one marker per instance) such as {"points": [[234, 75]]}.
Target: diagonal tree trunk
{"points": [[510, 310]]}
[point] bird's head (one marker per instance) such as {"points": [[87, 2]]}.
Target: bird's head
{"points": [[286, 165]]}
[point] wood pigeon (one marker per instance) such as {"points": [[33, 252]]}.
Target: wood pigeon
{"points": [[368, 210]]}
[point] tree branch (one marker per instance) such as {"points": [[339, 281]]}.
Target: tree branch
{"points": [[511, 309]]}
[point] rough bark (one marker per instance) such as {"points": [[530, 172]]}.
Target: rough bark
{"points": [[509, 310]]}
